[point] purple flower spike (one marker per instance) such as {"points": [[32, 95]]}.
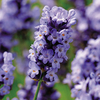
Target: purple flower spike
{"points": [[6, 72], [86, 72], [52, 41]]}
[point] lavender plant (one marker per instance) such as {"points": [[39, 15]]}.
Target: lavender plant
{"points": [[86, 61], [6, 75], [16, 19], [88, 25], [51, 44], [88, 89], [18, 14]]}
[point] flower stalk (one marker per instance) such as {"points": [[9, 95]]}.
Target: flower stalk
{"points": [[38, 88]]}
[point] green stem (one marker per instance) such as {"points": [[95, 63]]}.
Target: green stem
{"points": [[38, 87]]}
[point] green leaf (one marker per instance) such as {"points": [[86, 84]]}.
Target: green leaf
{"points": [[64, 91]]}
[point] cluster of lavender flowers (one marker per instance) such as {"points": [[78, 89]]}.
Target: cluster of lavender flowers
{"points": [[85, 62], [86, 72], [88, 25], [94, 8], [6, 75], [15, 16], [88, 89], [28, 91], [51, 43]]}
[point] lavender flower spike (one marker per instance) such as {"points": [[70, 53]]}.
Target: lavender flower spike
{"points": [[86, 72], [6, 71], [51, 42]]}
